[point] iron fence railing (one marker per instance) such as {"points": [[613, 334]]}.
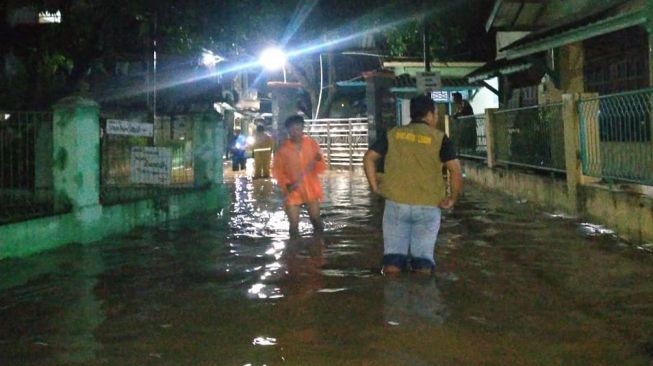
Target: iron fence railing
{"points": [[140, 167], [615, 136], [26, 179], [343, 141], [468, 136], [531, 137]]}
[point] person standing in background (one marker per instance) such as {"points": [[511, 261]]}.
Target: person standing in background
{"points": [[466, 128], [262, 151], [238, 151]]}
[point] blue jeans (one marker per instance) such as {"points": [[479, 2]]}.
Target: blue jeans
{"points": [[410, 230]]}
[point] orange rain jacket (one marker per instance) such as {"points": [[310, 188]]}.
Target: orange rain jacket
{"points": [[299, 167]]}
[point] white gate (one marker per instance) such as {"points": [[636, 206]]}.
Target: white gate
{"points": [[342, 140]]}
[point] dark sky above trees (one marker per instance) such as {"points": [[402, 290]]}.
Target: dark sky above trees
{"points": [[95, 34]]}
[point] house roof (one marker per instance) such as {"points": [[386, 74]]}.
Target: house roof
{"points": [[453, 70], [499, 67], [516, 15], [602, 21], [406, 82]]}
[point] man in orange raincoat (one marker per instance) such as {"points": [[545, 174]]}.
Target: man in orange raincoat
{"points": [[296, 166]]}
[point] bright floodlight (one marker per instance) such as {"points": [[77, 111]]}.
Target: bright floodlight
{"points": [[209, 59], [272, 59]]}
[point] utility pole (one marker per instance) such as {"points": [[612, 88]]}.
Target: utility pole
{"points": [[154, 59], [426, 39]]}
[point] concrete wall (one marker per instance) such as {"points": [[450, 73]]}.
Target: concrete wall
{"points": [[33, 236], [76, 183], [547, 191], [629, 213]]}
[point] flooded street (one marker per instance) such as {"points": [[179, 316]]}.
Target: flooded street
{"points": [[514, 285]]}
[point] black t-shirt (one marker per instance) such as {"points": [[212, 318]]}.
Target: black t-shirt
{"points": [[447, 150]]}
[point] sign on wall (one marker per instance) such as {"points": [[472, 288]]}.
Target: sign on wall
{"points": [[428, 81], [127, 128], [181, 128], [150, 165]]}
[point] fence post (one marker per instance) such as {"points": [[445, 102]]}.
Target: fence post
{"points": [[76, 159], [329, 142], [571, 124], [489, 137], [351, 145]]}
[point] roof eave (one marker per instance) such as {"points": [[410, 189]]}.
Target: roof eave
{"points": [[595, 29]]}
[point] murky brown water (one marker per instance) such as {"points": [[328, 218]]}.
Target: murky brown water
{"points": [[514, 286]]}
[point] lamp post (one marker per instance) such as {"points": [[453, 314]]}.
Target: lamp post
{"points": [[273, 59]]}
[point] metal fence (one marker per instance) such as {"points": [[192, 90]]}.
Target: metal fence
{"points": [[530, 137], [615, 136], [343, 141], [139, 167], [468, 135], [26, 180]]}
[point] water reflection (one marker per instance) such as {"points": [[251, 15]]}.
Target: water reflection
{"points": [[413, 300], [514, 285], [51, 309]]}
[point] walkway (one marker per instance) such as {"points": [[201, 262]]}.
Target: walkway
{"points": [[514, 286]]}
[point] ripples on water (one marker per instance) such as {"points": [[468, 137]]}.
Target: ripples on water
{"points": [[514, 285]]}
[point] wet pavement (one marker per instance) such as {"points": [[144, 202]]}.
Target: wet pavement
{"points": [[514, 285]]}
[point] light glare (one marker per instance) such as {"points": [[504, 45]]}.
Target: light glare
{"points": [[272, 59]]}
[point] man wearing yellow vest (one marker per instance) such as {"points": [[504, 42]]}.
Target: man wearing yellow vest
{"points": [[413, 187], [262, 151]]}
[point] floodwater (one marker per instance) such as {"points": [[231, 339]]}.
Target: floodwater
{"points": [[515, 285]]}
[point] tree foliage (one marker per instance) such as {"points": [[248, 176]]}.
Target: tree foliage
{"points": [[456, 32]]}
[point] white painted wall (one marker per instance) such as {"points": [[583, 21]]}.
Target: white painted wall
{"points": [[405, 112], [485, 98]]}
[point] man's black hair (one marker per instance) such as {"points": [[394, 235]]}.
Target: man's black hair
{"points": [[420, 106], [457, 95], [260, 128], [294, 120]]}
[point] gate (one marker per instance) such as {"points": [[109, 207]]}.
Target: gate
{"points": [[343, 141]]}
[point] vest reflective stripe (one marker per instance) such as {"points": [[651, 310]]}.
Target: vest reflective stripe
{"points": [[265, 149], [413, 170]]}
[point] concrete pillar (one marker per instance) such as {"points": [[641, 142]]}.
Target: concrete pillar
{"points": [[285, 97], [380, 102], [207, 148], [76, 159], [489, 137], [221, 145], [572, 148]]}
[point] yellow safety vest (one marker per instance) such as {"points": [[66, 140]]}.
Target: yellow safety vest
{"points": [[413, 170]]}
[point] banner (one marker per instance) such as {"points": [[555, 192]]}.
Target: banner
{"points": [[118, 127]]}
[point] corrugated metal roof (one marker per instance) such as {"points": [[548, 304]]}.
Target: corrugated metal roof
{"points": [[499, 67], [516, 15], [600, 12]]}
